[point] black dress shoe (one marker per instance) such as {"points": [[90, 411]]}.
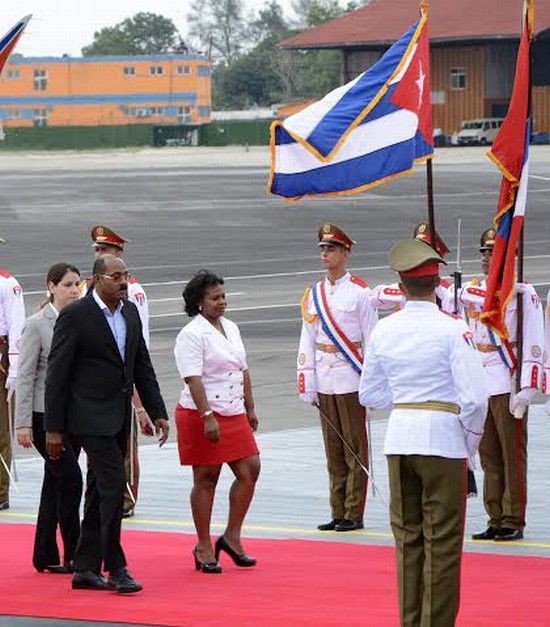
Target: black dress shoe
{"points": [[123, 582], [330, 526], [88, 580], [489, 534], [4, 505], [209, 568], [239, 559], [128, 513], [57, 569], [507, 534], [349, 525]]}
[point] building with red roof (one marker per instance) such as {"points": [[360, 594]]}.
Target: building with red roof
{"points": [[473, 51]]}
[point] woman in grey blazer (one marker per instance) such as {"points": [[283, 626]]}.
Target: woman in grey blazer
{"points": [[62, 483]]}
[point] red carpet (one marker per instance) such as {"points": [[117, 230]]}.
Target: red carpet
{"points": [[297, 583]]}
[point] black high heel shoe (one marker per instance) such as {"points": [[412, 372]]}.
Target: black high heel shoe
{"points": [[210, 568], [57, 569], [240, 559]]}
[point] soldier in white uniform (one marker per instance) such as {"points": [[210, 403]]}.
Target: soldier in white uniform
{"points": [[12, 319], [503, 449], [421, 364], [337, 320], [107, 242]]}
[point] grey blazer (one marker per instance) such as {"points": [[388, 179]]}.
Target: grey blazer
{"points": [[36, 341]]}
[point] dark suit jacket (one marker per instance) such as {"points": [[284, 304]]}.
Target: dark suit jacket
{"points": [[88, 386]]}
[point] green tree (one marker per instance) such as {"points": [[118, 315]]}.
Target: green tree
{"points": [[219, 28], [145, 33]]}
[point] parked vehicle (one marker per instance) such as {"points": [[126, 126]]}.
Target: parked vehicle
{"points": [[481, 131]]}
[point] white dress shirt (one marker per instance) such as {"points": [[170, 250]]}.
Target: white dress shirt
{"points": [[202, 351], [421, 354], [116, 323]]}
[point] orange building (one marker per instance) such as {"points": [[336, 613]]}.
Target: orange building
{"points": [[110, 90]]}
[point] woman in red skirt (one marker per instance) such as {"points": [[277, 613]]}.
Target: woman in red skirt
{"points": [[215, 418]]}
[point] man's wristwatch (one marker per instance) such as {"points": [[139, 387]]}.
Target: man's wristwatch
{"points": [[207, 413]]}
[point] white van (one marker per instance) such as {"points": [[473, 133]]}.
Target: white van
{"points": [[482, 131]]}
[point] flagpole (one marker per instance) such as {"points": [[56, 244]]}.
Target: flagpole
{"points": [[431, 209], [521, 241]]}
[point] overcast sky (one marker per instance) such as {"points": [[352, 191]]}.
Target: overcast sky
{"points": [[65, 26]]}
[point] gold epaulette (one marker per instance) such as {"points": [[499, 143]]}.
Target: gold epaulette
{"points": [[310, 318]]}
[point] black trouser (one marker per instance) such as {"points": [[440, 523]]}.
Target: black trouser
{"points": [[99, 541], [59, 500]]}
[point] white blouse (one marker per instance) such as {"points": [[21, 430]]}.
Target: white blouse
{"points": [[201, 350]]}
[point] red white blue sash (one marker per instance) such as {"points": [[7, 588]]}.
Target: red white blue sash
{"points": [[333, 331], [505, 351]]}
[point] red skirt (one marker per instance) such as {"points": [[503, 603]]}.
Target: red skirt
{"points": [[236, 439]]}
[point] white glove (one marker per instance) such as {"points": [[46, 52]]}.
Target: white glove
{"points": [[10, 386], [523, 288], [520, 401], [547, 405], [310, 398]]}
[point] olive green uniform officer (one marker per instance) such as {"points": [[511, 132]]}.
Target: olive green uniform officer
{"points": [[422, 364]]}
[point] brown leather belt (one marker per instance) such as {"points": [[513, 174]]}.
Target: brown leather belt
{"points": [[332, 348], [491, 348], [451, 408]]}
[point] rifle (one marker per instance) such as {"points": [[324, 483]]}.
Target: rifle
{"points": [[457, 276]]}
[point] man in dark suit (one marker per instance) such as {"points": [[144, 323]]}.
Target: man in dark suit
{"points": [[97, 356]]}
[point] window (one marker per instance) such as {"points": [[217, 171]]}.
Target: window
{"points": [[183, 69], [40, 80], [458, 78], [184, 114], [203, 70], [155, 111], [156, 70], [12, 74], [40, 117], [204, 112], [129, 71]]}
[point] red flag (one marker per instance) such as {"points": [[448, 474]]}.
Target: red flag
{"points": [[510, 153]]}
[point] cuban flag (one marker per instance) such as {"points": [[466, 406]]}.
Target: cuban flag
{"points": [[510, 153], [363, 134], [10, 39]]}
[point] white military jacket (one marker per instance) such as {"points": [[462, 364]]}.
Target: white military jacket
{"points": [[12, 317], [202, 351], [500, 377], [422, 354], [546, 374], [320, 368], [136, 294], [390, 297]]}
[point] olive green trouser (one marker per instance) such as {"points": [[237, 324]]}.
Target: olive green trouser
{"points": [[503, 456], [427, 508], [347, 480]]}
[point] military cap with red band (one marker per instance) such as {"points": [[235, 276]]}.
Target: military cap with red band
{"points": [[414, 258], [487, 240], [331, 235], [422, 232], [104, 236]]}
